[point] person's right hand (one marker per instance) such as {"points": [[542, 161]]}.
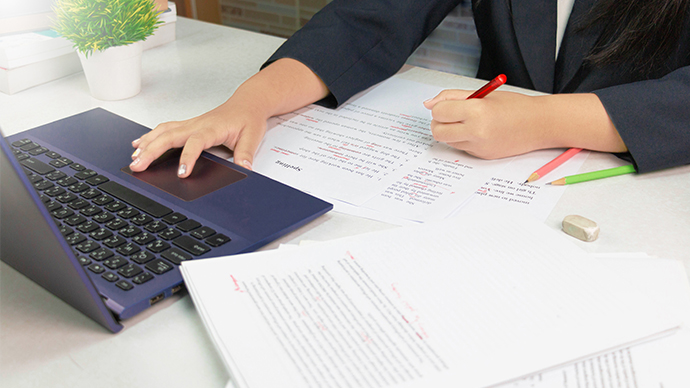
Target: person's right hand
{"points": [[233, 124], [239, 123]]}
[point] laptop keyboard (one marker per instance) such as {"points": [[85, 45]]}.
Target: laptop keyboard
{"points": [[117, 233]]}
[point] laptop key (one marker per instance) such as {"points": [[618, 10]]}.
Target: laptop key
{"points": [[101, 234], [158, 266], [37, 166], [217, 240], [124, 285], [169, 234], [114, 241], [55, 175], [91, 211], [65, 230], [130, 231], [114, 262], [87, 246], [20, 143], [174, 218], [88, 227], [155, 226], [96, 268], [52, 206], [85, 174], [187, 225], [57, 163], [103, 217], [176, 256], [55, 191], [158, 246], [38, 151], [91, 193], [101, 254], [143, 257], [191, 245], [135, 199], [33, 178], [84, 260], [43, 185], [29, 146], [143, 238], [75, 220], [66, 181], [78, 187], [62, 213], [130, 270], [97, 180], [103, 200], [128, 249], [143, 278], [141, 219], [111, 277]]}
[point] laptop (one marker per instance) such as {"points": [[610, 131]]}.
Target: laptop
{"points": [[77, 221]]}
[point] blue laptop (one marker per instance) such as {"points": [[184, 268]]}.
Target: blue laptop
{"points": [[108, 241]]}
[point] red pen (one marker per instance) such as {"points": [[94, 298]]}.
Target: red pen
{"points": [[489, 87]]}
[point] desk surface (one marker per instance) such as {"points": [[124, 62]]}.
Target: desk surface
{"points": [[44, 342]]}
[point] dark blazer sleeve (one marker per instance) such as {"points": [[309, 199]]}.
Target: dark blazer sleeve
{"points": [[354, 44], [653, 118]]}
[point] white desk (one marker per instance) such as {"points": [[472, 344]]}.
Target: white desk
{"points": [[44, 342]]}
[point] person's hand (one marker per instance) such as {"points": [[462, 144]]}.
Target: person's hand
{"points": [[232, 124], [239, 123], [496, 126], [505, 124]]}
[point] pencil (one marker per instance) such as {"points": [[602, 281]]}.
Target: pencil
{"points": [[590, 176], [489, 87], [557, 161]]}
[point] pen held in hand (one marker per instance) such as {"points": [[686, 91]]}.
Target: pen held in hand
{"points": [[489, 87]]}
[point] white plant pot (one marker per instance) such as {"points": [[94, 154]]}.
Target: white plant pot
{"points": [[114, 73]]}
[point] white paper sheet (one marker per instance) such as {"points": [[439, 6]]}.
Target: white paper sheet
{"points": [[474, 301], [376, 154], [659, 364]]}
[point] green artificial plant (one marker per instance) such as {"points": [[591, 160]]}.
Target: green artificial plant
{"points": [[95, 25]]}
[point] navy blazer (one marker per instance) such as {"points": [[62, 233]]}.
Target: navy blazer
{"points": [[354, 44]]}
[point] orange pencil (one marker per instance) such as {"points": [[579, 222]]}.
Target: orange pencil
{"points": [[560, 159]]}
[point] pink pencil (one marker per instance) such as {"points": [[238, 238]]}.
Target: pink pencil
{"points": [[560, 159]]}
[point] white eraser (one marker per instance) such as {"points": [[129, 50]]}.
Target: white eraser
{"points": [[581, 228]]}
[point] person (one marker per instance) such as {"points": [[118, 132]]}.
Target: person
{"points": [[619, 80]]}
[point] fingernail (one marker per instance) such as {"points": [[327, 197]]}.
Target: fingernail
{"points": [[136, 152], [247, 164], [135, 142], [182, 170], [135, 162]]}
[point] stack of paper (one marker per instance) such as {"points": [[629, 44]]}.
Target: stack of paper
{"points": [[470, 302]]}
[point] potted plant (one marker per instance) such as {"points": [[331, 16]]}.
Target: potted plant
{"points": [[107, 35]]}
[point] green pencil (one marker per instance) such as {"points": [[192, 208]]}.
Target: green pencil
{"points": [[590, 176]]}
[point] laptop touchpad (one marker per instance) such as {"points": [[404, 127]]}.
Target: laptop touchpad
{"points": [[207, 176]]}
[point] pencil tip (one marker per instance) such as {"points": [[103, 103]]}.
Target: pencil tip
{"points": [[532, 177]]}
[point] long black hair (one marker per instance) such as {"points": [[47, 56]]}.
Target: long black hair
{"points": [[643, 33]]}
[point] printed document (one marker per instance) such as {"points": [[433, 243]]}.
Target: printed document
{"points": [[472, 301], [374, 156]]}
